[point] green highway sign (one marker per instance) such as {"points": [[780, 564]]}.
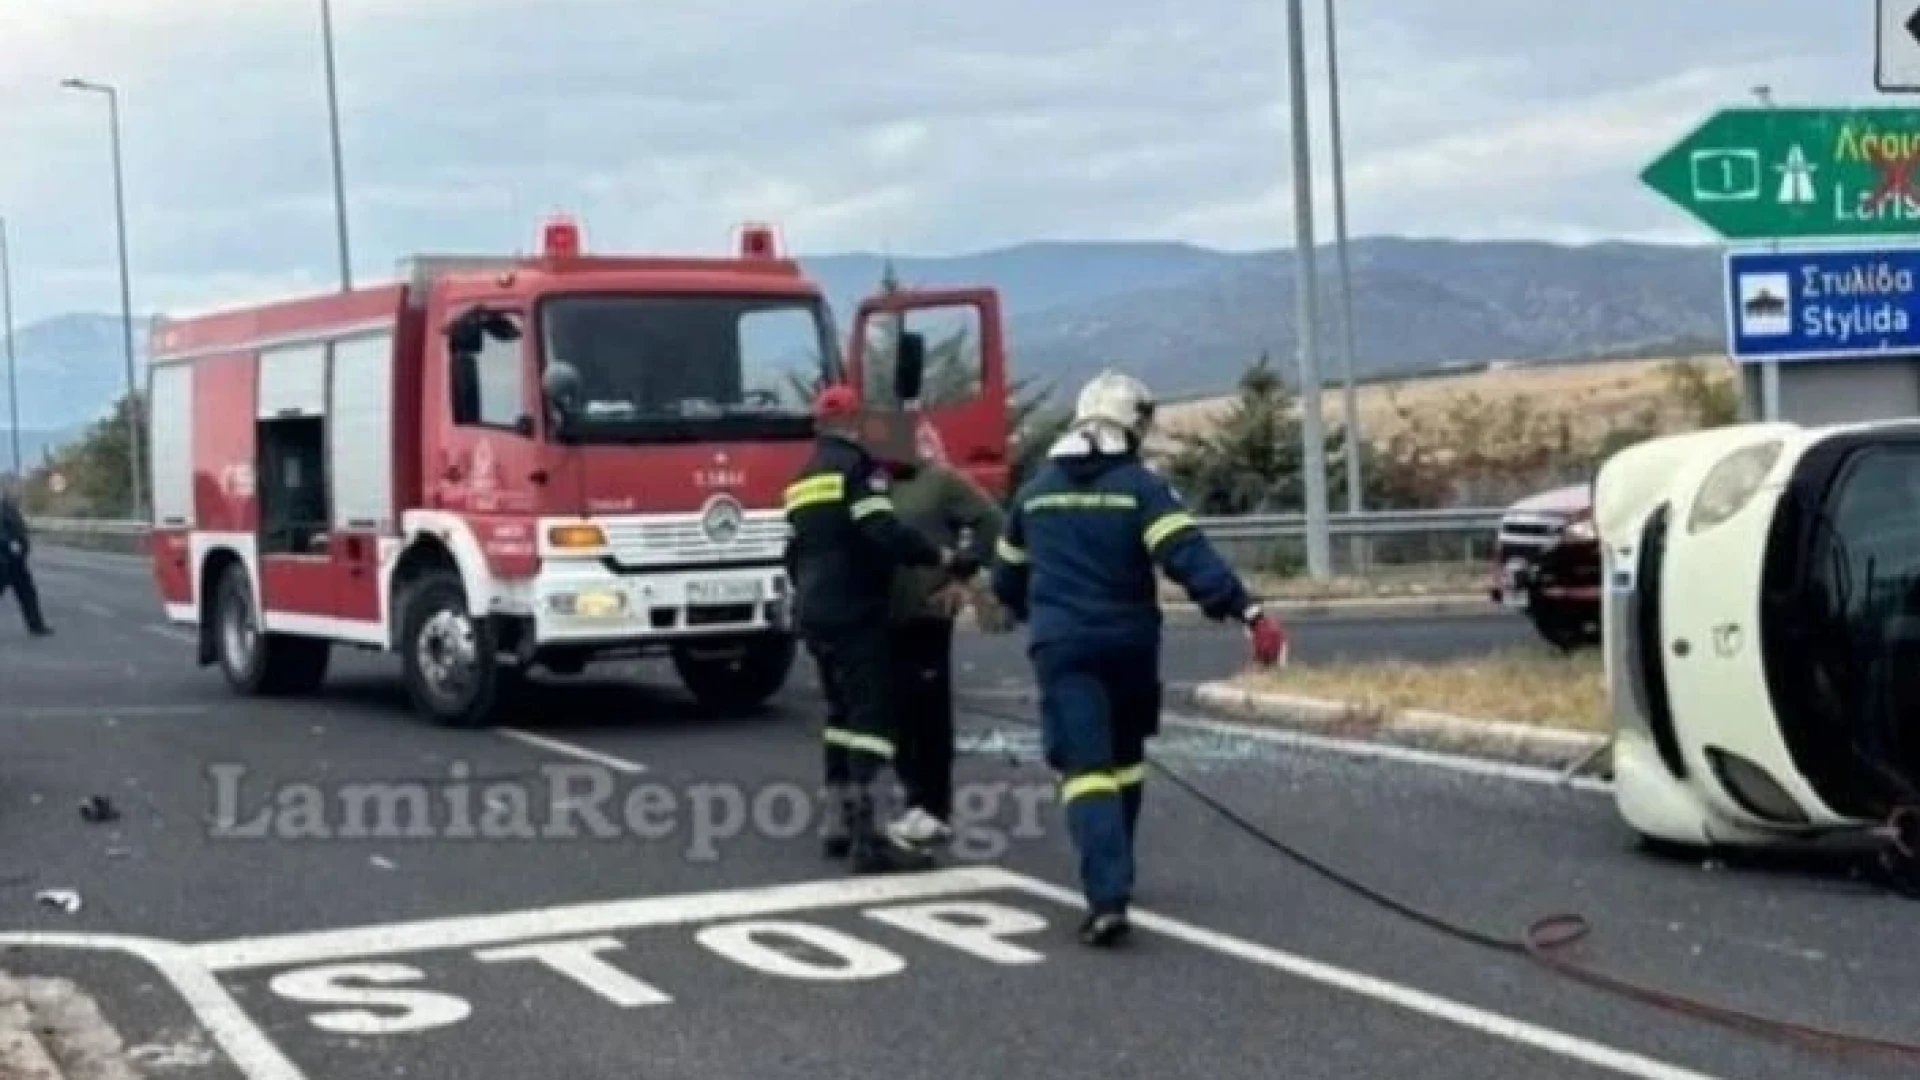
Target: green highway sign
{"points": [[1785, 173]]}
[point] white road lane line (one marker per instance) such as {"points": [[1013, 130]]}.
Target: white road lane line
{"points": [[1385, 992], [567, 749]]}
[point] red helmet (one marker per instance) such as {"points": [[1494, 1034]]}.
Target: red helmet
{"points": [[836, 402]]}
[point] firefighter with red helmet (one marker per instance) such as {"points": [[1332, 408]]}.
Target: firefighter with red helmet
{"points": [[845, 545]]}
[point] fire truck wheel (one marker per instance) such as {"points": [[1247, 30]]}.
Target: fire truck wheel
{"points": [[259, 663], [738, 682], [452, 673]]}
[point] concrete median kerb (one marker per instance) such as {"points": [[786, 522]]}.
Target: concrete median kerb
{"points": [[1499, 739]]}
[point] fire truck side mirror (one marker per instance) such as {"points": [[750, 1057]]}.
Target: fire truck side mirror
{"points": [[909, 366], [560, 385]]}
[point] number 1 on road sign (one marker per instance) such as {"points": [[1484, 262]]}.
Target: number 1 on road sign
{"points": [[1726, 175]]}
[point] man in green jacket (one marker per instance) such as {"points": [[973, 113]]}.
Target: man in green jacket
{"points": [[951, 511]]}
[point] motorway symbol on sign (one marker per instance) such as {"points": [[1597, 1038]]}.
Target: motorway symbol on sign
{"points": [[1897, 66], [1756, 173], [1823, 305]]}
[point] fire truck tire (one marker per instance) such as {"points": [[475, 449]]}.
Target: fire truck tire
{"points": [[451, 663], [258, 663], [731, 684]]}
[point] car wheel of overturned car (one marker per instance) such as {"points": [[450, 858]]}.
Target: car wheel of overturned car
{"points": [[1567, 627], [254, 661], [452, 671], [735, 675]]}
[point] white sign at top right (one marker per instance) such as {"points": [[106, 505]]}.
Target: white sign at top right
{"points": [[1897, 33]]}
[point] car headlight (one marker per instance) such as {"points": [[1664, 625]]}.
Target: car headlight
{"points": [[1580, 529], [1732, 484]]}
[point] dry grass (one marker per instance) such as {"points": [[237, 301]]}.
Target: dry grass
{"points": [[1600, 395], [1526, 685]]}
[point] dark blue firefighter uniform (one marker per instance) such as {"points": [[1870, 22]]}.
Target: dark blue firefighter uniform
{"points": [[1077, 564]]}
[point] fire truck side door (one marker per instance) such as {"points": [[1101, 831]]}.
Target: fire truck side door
{"points": [[963, 389], [484, 408]]}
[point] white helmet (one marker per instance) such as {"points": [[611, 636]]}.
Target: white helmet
{"points": [[1113, 397], [1111, 416]]}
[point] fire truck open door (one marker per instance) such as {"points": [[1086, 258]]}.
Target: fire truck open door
{"points": [[963, 393]]}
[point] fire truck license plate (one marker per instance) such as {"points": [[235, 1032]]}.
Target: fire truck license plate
{"points": [[723, 591]]}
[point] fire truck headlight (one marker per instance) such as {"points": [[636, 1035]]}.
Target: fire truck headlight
{"points": [[576, 538], [592, 604], [1732, 484]]}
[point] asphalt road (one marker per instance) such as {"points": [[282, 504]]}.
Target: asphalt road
{"points": [[253, 912]]}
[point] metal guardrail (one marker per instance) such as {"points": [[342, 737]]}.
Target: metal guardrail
{"points": [[86, 527], [1469, 520]]}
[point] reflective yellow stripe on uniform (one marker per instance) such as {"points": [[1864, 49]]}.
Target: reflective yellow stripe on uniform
{"points": [[1009, 552], [1096, 783], [1166, 525], [853, 740], [815, 490], [871, 505], [1081, 500], [1130, 776]]}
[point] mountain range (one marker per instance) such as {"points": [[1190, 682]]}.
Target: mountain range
{"points": [[1186, 319]]}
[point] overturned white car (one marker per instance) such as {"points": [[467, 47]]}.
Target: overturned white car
{"points": [[1762, 630]]}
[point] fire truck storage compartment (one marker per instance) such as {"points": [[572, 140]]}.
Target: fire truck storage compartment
{"points": [[293, 486], [291, 435], [170, 391]]}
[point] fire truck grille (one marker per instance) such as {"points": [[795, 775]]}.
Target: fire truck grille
{"points": [[681, 538]]}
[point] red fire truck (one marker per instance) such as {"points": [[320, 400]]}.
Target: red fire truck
{"points": [[497, 465]]}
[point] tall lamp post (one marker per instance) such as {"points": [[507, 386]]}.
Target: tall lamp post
{"points": [[13, 374], [1350, 395], [333, 130], [1769, 370], [1306, 314], [126, 288]]}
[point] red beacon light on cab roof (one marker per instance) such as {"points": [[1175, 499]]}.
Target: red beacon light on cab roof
{"points": [[560, 238], [758, 241]]}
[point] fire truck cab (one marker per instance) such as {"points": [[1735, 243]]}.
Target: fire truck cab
{"points": [[496, 465]]}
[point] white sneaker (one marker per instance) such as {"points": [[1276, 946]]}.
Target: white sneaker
{"points": [[919, 828]]}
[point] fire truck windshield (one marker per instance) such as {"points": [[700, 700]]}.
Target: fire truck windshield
{"points": [[678, 368]]}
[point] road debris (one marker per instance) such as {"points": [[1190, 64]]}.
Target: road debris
{"points": [[97, 809], [65, 899]]}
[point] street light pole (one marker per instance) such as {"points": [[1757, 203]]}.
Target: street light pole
{"points": [[1313, 454], [13, 374], [1770, 369], [333, 128], [1350, 395], [126, 289]]}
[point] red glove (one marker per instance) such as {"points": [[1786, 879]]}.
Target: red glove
{"points": [[1268, 640]]}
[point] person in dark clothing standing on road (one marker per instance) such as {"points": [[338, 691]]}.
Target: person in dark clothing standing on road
{"points": [[943, 505], [1077, 563], [846, 544], [16, 544]]}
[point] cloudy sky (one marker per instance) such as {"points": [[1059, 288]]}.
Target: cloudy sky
{"points": [[926, 126]]}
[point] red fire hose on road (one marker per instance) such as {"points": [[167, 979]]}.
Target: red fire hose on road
{"points": [[1547, 939]]}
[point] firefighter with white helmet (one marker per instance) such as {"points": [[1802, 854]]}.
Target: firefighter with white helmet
{"points": [[1076, 562]]}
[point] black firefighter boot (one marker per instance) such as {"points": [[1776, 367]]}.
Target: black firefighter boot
{"points": [[872, 851], [836, 839]]}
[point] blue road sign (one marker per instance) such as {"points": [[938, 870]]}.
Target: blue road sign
{"points": [[1823, 305]]}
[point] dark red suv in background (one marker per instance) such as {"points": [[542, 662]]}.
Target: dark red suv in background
{"points": [[1546, 563]]}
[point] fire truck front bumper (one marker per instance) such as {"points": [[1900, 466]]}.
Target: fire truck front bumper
{"points": [[587, 604]]}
